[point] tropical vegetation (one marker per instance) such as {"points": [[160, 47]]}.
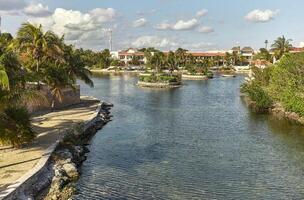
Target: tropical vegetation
{"points": [[283, 83], [35, 56]]}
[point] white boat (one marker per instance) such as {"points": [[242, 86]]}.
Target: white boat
{"points": [[228, 75]]}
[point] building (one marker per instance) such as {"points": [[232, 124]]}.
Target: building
{"points": [[296, 49], [128, 55], [246, 52]]}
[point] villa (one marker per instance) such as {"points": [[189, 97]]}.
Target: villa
{"points": [[128, 55]]}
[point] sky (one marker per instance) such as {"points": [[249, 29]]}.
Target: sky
{"points": [[196, 25]]}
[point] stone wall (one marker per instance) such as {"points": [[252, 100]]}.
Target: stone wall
{"points": [[70, 96]]}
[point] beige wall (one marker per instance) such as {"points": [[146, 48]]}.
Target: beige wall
{"points": [[70, 96]]}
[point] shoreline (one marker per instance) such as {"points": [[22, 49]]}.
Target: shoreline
{"points": [[159, 85], [60, 162], [276, 110]]}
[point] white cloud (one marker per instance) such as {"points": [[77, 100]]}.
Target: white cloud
{"points": [[206, 29], [37, 10], [154, 41], [163, 26], [301, 44], [201, 13], [258, 16], [179, 25], [140, 22], [78, 27], [185, 25]]}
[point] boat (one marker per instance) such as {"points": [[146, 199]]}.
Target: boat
{"points": [[228, 75]]}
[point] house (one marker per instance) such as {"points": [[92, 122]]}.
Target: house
{"points": [[296, 49], [128, 55]]}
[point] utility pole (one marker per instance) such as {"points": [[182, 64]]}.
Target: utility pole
{"points": [[111, 39], [0, 25]]}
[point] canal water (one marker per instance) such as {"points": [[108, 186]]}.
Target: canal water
{"points": [[199, 141]]}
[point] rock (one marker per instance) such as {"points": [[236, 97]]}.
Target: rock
{"points": [[71, 170]]}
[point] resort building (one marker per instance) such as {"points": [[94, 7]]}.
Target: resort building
{"points": [[127, 56]]}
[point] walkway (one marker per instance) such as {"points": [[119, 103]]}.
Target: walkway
{"points": [[14, 163]]}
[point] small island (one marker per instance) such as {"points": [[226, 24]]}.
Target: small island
{"points": [[162, 80]]}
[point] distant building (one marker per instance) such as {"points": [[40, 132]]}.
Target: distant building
{"points": [[296, 49], [246, 52], [127, 56]]}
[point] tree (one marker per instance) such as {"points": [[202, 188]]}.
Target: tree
{"points": [[181, 57], [39, 46], [75, 66], [228, 59], [157, 61], [171, 61], [263, 55], [281, 46]]}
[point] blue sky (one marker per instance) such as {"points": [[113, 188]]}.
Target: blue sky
{"points": [[197, 25]]}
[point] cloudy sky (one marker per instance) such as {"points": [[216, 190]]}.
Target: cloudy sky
{"points": [[197, 25]]}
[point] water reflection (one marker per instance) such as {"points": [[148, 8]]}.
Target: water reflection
{"points": [[194, 142]]}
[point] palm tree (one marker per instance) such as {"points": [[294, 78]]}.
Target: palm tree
{"points": [[57, 78], [281, 46], [158, 61], [171, 61], [227, 59], [38, 45], [76, 67], [181, 57]]}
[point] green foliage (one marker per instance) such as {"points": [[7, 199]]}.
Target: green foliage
{"points": [[283, 82], [263, 55], [160, 78], [258, 95], [15, 127], [281, 46]]}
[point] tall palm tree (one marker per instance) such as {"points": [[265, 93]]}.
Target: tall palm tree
{"points": [[38, 45], [281, 46], [158, 61], [171, 61], [76, 67]]}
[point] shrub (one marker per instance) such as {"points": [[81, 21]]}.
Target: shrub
{"points": [[258, 95], [162, 78], [15, 126]]}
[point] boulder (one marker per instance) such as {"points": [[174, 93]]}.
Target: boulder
{"points": [[71, 171]]}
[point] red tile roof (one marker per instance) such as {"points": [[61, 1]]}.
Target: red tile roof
{"points": [[296, 49], [207, 54]]}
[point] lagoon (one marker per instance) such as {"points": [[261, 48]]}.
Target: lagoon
{"points": [[199, 141]]}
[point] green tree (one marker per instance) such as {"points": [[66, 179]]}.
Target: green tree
{"points": [[75, 66], [39, 46], [281, 46]]}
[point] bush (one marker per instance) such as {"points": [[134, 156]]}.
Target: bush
{"points": [[162, 78], [15, 126], [258, 95]]}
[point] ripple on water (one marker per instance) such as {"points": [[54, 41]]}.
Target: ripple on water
{"points": [[195, 142]]}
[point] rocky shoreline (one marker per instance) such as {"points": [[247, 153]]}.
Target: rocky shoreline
{"points": [[69, 156], [56, 173], [159, 85], [277, 110]]}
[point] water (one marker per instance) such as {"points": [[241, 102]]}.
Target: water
{"points": [[195, 142]]}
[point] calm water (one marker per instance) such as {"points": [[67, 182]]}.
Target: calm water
{"points": [[196, 142]]}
